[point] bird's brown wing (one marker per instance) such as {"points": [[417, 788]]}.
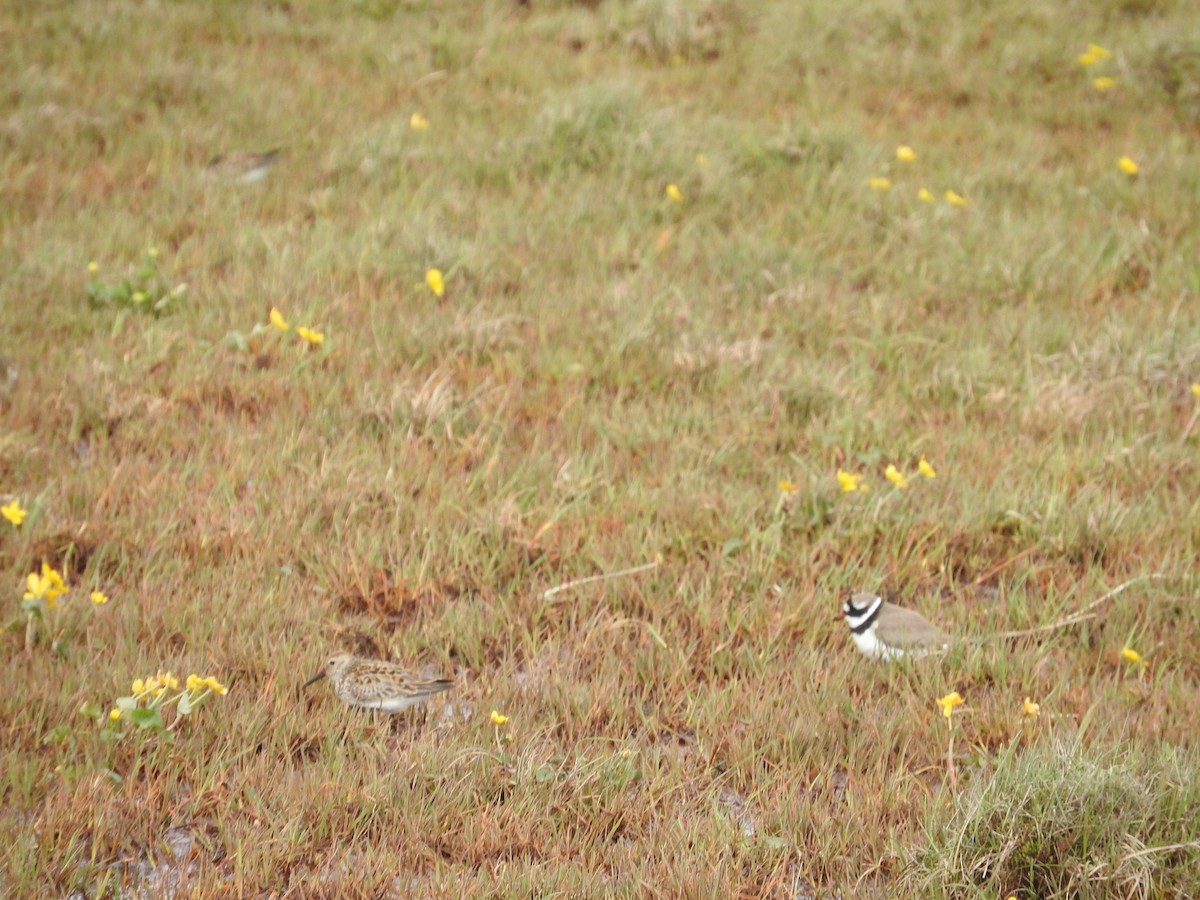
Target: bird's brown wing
{"points": [[905, 628]]}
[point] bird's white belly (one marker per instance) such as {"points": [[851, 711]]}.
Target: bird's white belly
{"points": [[385, 704], [254, 175], [872, 648]]}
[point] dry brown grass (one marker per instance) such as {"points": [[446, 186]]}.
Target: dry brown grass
{"points": [[610, 377]]}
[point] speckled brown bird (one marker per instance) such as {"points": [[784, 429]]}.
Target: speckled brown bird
{"points": [[377, 684]]}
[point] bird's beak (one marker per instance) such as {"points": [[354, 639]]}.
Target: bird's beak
{"points": [[313, 680]]}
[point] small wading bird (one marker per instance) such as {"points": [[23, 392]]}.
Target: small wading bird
{"points": [[377, 684], [882, 630], [241, 167]]}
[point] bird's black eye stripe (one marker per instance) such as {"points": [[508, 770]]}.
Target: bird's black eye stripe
{"points": [[868, 612], [865, 624], [851, 610]]}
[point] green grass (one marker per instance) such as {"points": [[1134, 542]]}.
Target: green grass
{"points": [[1058, 822], [611, 378]]}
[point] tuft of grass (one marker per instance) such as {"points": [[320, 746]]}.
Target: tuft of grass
{"points": [[1059, 820]]}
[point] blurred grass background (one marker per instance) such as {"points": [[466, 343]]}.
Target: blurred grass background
{"points": [[611, 377]]}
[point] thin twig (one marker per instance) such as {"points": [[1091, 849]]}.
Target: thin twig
{"points": [[604, 576], [1079, 615], [1074, 619]]}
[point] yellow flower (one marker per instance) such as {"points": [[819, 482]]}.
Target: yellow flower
{"points": [[1032, 709], [955, 199], [1196, 389], [948, 703], [926, 196], [215, 686], [14, 512], [48, 586], [139, 686], [57, 586], [892, 474], [1104, 83], [436, 282], [905, 153], [278, 320], [926, 469], [702, 160], [787, 487], [1127, 165], [195, 683], [1097, 51], [849, 483], [498, 719], [418, 122], [674, 194], [167, 680], [1087, 59], [880, 184], [1132, 656], [315, 338], [152, 252], [99, 598], [114, 714], [93, 267]]}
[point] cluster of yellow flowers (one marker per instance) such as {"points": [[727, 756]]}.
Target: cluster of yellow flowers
{"points": [[155, 685], [854, 482], [47, 586], [1029, 708], [152, 693], [954, 699], [851, 482], [313, 337], [907, 155], [1093, 56]]}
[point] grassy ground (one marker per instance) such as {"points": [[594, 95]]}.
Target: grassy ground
{"points": [[611, 378]]}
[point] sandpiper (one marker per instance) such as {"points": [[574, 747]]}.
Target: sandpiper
{"points": [[377, 683]]}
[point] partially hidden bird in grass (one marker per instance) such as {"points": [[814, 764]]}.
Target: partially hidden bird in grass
{"points": [[377, 684], [882, 630], [241, 167]]}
